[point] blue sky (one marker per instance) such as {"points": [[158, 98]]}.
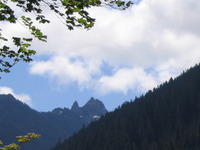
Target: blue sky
{"points": [[123, 56]]}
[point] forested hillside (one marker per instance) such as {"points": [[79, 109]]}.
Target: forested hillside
{"points": [[166, 118], [17, 119]]}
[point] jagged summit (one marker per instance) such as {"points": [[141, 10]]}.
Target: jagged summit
{"points": [[95, 105], [75, 106], [92, 101], [92, 110]]}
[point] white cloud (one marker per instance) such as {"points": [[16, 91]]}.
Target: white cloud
{"points": [[160, 36], [67, 70], [22, 97], [126, 79]]}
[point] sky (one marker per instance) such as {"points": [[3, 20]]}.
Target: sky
{"points": [[123, 56]]}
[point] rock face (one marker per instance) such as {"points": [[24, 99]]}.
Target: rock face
{"points": [[75, 107], [17, 119], [92, 110]]}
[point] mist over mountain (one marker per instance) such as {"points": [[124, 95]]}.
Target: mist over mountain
{"points": [[17, 118], [165, 118]]}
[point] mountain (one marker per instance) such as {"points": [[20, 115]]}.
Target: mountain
{"points": [[165, 118], [92, 110], [17, 118]]}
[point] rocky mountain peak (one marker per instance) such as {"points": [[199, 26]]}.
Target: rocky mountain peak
{"points": [[93, 102], [75, 106], [92, 110], [94, 107]]}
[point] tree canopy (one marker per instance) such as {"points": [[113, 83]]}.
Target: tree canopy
{"points": [[74, 13]]}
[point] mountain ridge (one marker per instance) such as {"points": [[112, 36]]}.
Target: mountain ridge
{"points": [[17, 118]]}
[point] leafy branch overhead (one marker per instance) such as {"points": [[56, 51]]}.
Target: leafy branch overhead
{"points": [[72, 12]]}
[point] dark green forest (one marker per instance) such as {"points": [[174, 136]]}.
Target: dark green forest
{"points": [[165, 118]]}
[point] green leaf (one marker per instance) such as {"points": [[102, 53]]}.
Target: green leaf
{"points": [[7, 71], [22, 50], [28, 39], [25, 45], [120, 3], [76, 9], [17, 41], [81, 20]]}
